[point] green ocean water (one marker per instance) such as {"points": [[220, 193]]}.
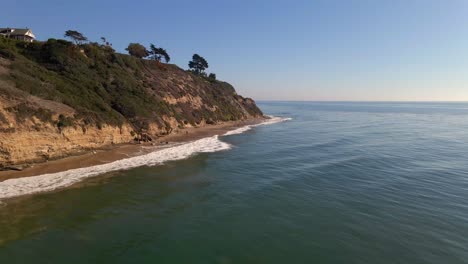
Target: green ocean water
{"points": [[339, 183]]}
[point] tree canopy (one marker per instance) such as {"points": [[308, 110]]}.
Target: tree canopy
{"points": [[105, 42], [158, 53], [198, 64], [137, 50], [76, 36]]}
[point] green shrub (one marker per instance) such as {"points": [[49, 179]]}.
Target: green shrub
{"points": [[24, 111], [64, 121], [105, 87]]}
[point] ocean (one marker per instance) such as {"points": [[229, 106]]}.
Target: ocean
{"points": [[327, 182]]}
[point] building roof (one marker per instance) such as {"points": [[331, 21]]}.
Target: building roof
{"points": [[17, 32]]}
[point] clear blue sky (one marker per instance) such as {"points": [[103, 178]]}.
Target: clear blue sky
{"points": [[285, 50]]}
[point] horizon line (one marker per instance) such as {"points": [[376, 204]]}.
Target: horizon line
{"points": [[360, 101]]}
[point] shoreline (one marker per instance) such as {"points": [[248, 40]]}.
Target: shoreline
{"points": [[113, 153]]}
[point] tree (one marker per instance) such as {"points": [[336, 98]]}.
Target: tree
{"points": [[158, 53], [212, 76], [76, 36], [137, 50], [198, 64], [105, 42]]}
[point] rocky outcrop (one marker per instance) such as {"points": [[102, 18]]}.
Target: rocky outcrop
{"points": [[57, 100], [37, 146]]}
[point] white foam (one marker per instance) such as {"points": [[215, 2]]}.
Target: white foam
{"points": [[53, 181], [274, 120], [49, 182], [239, 130], [271, 120]]}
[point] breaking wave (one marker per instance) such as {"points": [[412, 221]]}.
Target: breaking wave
{"points": [[271, 120], [49, 182], [53, 181]]}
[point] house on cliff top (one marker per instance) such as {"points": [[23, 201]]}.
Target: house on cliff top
{"points": [[24, 34]]}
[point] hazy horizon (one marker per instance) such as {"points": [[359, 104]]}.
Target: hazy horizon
{"points": [[358, 101], [282, 51]]}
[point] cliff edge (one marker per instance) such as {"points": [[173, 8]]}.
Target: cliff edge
{"points": [[57, 99]]}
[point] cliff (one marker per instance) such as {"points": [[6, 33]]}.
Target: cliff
{"points": [[58, 99]]}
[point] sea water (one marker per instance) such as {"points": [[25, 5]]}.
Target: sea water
{"points": [[335, 182]]}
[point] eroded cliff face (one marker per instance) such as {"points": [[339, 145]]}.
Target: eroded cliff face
{"points": [[93, 97], [33, 140]]}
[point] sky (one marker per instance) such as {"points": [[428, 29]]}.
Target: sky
{"points": [[348, 50]]}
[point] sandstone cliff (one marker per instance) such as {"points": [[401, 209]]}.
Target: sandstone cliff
{"points": [[57, 99]]}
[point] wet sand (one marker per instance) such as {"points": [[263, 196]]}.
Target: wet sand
{"points": [[122, 151]]}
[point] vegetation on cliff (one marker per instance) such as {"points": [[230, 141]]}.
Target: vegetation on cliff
{"points": [[105, 87]]}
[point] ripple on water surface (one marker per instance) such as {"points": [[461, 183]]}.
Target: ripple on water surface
{"points": [[339, 183]]}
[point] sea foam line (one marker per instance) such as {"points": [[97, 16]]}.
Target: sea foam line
{"points": [[271, 120], [53, 181]]}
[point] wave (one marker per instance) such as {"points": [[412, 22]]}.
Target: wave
{"points": [[274, 120], [271, 120], [53, 181], [50, 182], [239, 130]]}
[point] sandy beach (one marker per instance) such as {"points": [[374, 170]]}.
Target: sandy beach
{"points": [[117, 152]]}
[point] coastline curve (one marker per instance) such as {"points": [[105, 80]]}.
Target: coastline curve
{"points": [[52, 181]]}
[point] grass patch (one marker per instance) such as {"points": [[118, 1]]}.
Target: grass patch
{"points": [[105, 87]]}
